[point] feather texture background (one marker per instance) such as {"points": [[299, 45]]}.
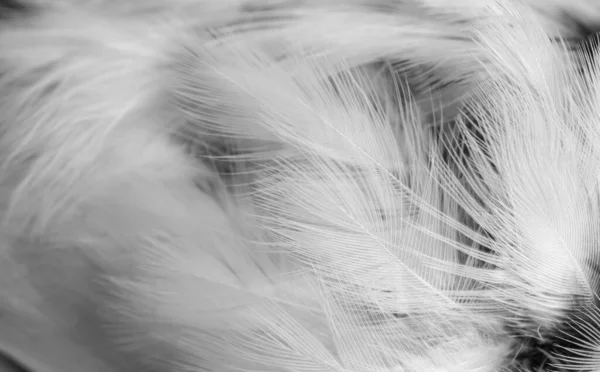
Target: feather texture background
{"points": [[336, 185]]}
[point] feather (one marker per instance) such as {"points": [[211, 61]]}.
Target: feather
{"points": [[319, 186]]}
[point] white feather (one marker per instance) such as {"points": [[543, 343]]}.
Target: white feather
{"points": [[327, 186]]}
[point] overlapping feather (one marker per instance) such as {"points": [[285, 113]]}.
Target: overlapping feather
{"points": [[273, 194]]}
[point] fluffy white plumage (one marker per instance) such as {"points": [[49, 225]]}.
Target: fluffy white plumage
{"points": [[336, 185]]}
